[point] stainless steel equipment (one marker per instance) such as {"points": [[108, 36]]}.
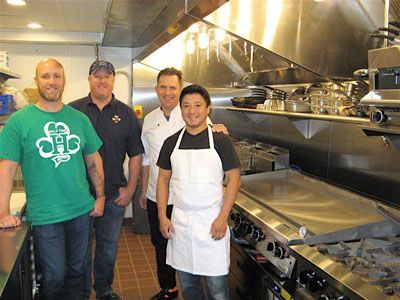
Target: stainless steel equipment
{"points": [[256, 157], [248, 277], [384, 78], [283, 214]]}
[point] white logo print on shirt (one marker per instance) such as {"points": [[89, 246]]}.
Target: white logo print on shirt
{"points": [[58, 144]]}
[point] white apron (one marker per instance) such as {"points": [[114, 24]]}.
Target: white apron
{"points": [[197, 177]]}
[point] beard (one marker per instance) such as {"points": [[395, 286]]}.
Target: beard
{"points": [[54, 97]]}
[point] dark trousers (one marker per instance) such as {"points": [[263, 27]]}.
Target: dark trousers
{"points": [[165, 273], [107, 232], [61, 249]]}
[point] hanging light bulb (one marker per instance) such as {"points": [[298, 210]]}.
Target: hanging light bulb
{"points": [[203, 40], [190, 46], [219, 34], [194, 28]]}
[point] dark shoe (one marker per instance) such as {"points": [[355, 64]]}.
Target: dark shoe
{"points": [[164, 294], [110, 296]]}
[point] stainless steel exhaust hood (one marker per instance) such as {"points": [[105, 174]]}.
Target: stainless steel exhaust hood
{"points": [[330, 38], [274, 41]]}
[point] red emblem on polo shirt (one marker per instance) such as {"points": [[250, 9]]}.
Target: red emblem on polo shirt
{"points": [[116, 119]]}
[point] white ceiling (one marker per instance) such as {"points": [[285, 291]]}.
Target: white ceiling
{"points": [[119, 23], [63, 21], [56, 15]]}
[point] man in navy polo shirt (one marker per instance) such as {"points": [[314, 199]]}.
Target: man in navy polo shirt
{"points": [[119, 129]]}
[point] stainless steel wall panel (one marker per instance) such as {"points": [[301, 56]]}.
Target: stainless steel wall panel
{"points": [[238, 124], [364, 163], [309, 154]]}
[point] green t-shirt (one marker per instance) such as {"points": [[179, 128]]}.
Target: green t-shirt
{"points": [[50, 149]]}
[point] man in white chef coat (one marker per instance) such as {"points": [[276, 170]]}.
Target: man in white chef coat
{"points": [[157, 126], [195, 161]]}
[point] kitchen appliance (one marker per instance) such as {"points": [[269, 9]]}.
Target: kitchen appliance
{"points": [[248, 276], [384, 80], [257, 157], [318, 241]]}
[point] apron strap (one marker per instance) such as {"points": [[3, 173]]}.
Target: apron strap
{"points": [[210, 138], [178, 142]]}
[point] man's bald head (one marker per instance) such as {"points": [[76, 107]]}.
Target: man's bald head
{"points": [[45, 61]]}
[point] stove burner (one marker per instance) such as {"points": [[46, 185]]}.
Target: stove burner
{"points": [[376, 261]]}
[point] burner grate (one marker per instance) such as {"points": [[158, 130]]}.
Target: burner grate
{"points": [[376, 261]]}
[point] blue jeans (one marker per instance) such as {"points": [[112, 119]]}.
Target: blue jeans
{"points": [[62, 249], [217, 286], [107, 232]]}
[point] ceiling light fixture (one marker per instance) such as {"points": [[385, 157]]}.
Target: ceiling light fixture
{"points": [[16, 2], [190, 46], [219, 34], [34, 25], [194, 28]]}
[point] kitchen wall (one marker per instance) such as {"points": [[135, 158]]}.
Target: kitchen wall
{"points": [[76, 60]]}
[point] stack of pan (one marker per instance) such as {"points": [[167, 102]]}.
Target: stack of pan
{"points": [[275, 99], [258, 96]]}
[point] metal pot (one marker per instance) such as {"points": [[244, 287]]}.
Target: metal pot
{"points": [[275, 104], [297, 106]]}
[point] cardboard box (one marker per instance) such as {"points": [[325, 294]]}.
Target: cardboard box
{"points": [[33, 95]]}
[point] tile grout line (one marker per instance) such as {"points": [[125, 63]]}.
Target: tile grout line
{"points": [[148, 263], [133, 266]]}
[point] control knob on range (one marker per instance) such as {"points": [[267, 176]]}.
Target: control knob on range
{"points": [[305, 276], [237, 218], [249, 228], [316, 284], [270, 246], [279, 252], [258, 235]]}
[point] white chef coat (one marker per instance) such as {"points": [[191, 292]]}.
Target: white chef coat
{"points": [[156, 129]]}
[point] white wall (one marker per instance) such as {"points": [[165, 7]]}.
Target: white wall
{"points": [[76, 60]]}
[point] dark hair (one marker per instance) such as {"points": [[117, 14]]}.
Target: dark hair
{"points": [[170, 72], [195, 89]]}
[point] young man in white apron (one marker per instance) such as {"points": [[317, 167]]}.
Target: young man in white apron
{"points": [[195, 161]]}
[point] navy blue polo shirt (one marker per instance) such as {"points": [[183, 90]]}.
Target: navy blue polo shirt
{"points": [[119, 129]]}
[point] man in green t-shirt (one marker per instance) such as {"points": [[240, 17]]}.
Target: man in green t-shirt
{"points": [[52, 143]]}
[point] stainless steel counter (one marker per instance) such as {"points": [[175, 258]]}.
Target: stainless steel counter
{"points": [[12, 242]]}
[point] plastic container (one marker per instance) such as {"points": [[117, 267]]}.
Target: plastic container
{"points": [[7, 105]]}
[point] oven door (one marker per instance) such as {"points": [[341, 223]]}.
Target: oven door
{"points": [[251, 277]]}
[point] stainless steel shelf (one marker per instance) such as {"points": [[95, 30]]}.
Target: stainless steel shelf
{"points": [[6, 74], [304, 115]]}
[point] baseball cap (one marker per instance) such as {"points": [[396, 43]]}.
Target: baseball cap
{"points": [[101, 64]]}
